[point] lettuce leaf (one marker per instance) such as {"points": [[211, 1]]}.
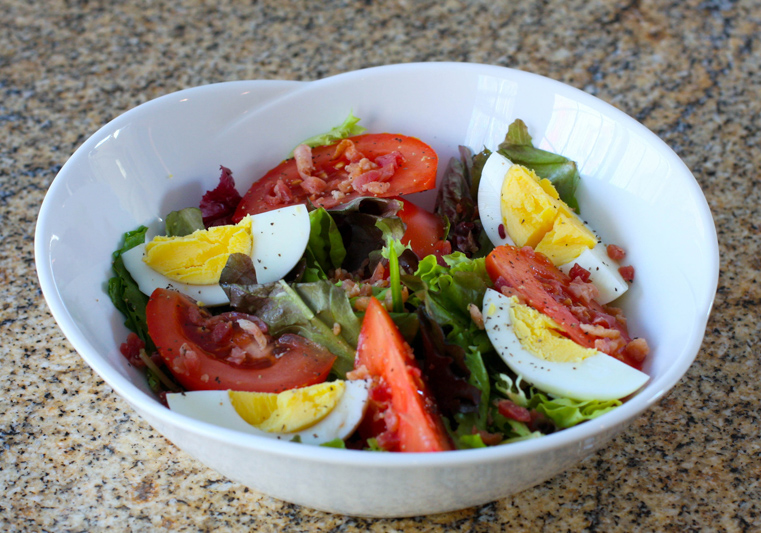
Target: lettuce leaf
{"points": [[124, 292], [561, 171], [325, 250], [563, 412], [447, 291], [307, 309], [348, 128]]}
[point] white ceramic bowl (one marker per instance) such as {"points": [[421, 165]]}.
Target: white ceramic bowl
{"points": [[164, 154]]}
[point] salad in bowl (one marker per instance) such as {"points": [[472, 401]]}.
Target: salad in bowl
{"points": [[323, 307]]}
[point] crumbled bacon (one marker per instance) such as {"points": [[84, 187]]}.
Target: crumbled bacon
{"points": [[280, 194], [313, 185], [600, 331], [583, 290], [513, 411], [186, 362], [131, 350], [252, 329], [302, 154], [370, 180], [476, 316], [637, 349], [578, 271], [627, 272], [347, 149], [616, 252], [610, 346]]}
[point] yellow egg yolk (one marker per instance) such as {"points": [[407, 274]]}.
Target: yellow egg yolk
{"points": [[540, 335], [534, 215], [198, 258], [289, 411]]}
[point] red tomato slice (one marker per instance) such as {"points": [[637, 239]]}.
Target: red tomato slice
{"points": [[217, 353], [410, 413], [425, 231], [546, 289], [416, 173]]}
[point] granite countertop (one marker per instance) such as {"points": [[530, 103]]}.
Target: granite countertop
{"points": [[75, 457]]}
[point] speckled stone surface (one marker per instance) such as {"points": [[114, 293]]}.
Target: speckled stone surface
{"points": [[74, 457]]}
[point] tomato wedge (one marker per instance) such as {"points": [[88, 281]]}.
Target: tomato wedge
{"points": [[547, 289], [205, 352], [409, 412], [281, 186], [425, 231]]}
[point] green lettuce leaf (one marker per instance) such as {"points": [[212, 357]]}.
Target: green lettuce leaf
{"points": [[561, 171], [325, 250], [184, 222], [348, 128], [447, 291], [124, 292], [307, 309]]}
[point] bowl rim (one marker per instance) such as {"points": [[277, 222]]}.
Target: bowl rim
{"points": [[146, 403]]}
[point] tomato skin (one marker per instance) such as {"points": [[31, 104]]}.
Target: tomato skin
{"points": [[416, 173], [177, 326], [545, 288], [382, 351], [425, 231]]}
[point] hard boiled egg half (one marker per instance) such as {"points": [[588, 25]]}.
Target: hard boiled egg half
{"points": [[532, 346], [192, 264], [517, 207], [314, 415]]}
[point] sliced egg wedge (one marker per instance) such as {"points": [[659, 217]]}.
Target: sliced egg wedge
{"points": [[276, 240], [313, 415], [517, 207], [532, 347]]}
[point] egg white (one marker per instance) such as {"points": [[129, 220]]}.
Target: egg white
{"points": [[598, 377], [490, 198], [214, 407], [279, 240], [603, 270]]}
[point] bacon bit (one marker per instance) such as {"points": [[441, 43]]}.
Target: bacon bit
{"points": [[361, 303], [578, 271], [280, 194], [510, 292], [131, 350], [599, 331], [186, 362], [388, 299], [609, 346], [348, 149], [627, 272], [336, 329], [489, 439], [358, 373], [313, 185], [252, 329], [302, 154], [237, 356], [637, 349], [388, 163], [476, 316], [376, 188], [616, 252], [513, 411], [379, 274], [584, 291], [350, 288]]}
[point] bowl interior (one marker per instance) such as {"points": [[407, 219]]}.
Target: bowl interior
{"points": [[164, 154]]}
